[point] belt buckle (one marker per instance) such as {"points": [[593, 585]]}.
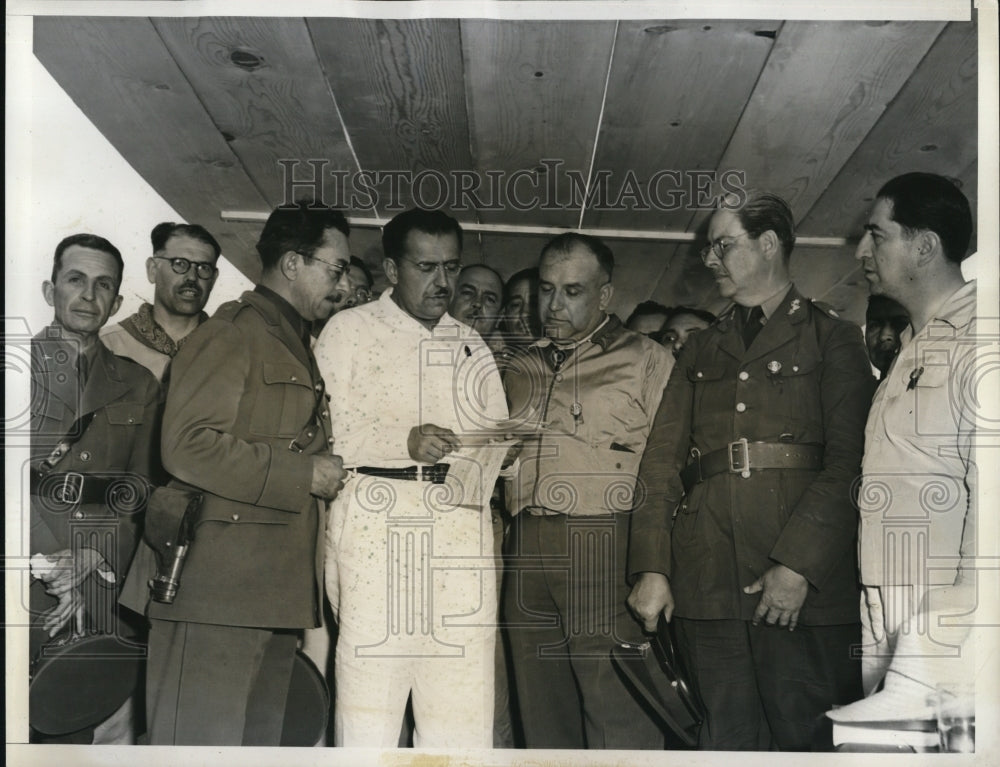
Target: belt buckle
{"points": [[435, 473], [70, 492], [739, 457]]}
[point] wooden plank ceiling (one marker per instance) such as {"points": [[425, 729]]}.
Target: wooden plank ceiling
{"points": [[213, 111]]}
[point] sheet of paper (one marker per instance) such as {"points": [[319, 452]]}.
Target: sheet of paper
{"points": [[474, 471]]}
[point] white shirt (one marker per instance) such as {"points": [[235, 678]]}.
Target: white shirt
{"points": [[918, 492], [386, 373]]}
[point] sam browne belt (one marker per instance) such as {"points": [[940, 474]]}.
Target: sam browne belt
{"points": [[742, 457]]}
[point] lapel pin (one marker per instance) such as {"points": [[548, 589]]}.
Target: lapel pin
{"points": [[914, 377]]}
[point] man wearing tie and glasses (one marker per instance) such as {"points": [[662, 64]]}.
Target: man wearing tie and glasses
{"points": [[182, 270]]}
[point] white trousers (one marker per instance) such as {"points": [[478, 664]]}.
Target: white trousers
{"points": [[412, 581]]}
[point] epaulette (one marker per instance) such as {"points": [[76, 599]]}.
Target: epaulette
{"points": [[825, 308], [230, 309]]}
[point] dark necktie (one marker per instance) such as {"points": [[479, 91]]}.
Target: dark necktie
{"points": [[82, 370], [752, 319]]}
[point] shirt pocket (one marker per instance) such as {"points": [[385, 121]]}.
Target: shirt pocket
{"points": [[284, 403]]}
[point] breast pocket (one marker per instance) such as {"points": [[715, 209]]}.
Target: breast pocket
{"points": [[284, 403], [712, 387]]}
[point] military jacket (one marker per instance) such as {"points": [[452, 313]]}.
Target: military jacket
{"points": [[124, 399], [805, 379], [241, 425]]}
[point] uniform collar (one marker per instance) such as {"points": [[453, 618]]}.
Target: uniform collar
{"points": [[602, 335]]}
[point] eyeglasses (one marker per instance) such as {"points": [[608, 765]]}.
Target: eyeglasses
{"points": [[203, 269], [450, 268], [335, 269], [720, 246]]}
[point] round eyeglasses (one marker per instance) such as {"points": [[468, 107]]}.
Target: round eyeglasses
{"points": [[203, 269]]}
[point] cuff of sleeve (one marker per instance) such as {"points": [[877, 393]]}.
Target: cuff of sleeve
{"points": [[812, 563], [288, 481], [649, 553]]}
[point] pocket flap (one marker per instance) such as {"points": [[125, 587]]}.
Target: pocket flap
{"points": [[285, 373], [125, 413]]}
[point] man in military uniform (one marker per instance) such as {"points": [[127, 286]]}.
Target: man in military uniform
{"points": [[246, 423], [753, 452], [92, 422]]}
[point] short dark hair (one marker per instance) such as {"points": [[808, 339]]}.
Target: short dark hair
{"points": [[648, 309], [565, 242], [701, 314], [355, 261], [763, 211], [929, 202], [91, 241], [162, 233], [880, 306], [300, 228], [434, 222]]}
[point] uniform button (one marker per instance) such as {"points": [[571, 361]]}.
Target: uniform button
{"points": [[84, 455], [236, 517], [744, 375], [618, 465], [318, 387], [77, 514], [326, 414], [559, 377], [309, 434], [699, 374], [295, 378], [740, 407], [795, 368], [329, 441], [131, 420]]}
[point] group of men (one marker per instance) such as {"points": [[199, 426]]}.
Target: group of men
{"points": [[714, 485]]}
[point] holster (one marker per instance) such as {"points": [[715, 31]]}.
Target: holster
{"points": [[171, 516]]}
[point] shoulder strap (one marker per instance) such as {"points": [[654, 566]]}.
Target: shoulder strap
{"points": [[76, 431]]}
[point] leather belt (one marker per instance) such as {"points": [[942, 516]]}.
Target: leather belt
{"points": [[435, 473], [741, 457], [73, 488]]}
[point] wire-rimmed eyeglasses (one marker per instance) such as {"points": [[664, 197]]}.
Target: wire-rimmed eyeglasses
{"points": [[720, 246]]}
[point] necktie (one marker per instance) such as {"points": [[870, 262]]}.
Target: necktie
{"points": [[752, 319], [82, 370]]}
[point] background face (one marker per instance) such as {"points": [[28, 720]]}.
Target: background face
{"points": [[351, 282], [478, 293], [677, 330], [573, 292], [85, 293], [520, 313], [182, 294], [421, 291]]}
